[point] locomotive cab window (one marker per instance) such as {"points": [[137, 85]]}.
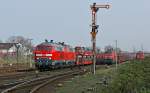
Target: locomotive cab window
{"points": [[88, 57], [58, 48], [47, 48], [71, 49]]}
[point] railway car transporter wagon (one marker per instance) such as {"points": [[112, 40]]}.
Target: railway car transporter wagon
{"points": [[83, 55], [106, 58], [48, 55]]}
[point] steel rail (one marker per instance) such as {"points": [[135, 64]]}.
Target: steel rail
{"points": [[34, 90], [36, 80]]}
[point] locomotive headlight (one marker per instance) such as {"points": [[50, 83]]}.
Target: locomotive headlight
{"points": [[37, 58], [38, 54], [48, 54], [49, 58]]}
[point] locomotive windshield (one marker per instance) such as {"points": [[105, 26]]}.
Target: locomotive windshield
{"points": [[46, 48]]}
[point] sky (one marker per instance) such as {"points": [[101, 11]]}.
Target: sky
{"points": [[127, 21]]}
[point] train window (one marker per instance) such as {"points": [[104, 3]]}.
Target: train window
{"points": [[44, 48], [87, 57], [71, 49], [58, 48], [88, 49]]}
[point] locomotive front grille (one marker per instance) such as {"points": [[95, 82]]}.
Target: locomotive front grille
{"points": [[43, 62]]}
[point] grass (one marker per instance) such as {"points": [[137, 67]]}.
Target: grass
{"points": [[132, 77], [87, 83]]}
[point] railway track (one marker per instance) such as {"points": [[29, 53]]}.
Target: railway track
{"points": [[49, 86], [7, 81], [37, 88], [30, 73], [32, 85]]}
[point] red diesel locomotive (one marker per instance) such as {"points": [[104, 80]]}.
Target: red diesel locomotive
{"points": [[53, 55]]}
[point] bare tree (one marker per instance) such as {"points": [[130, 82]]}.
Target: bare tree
{"points": [[20, 39]]}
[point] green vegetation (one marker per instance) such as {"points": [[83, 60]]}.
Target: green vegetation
{"points": [[86, 83], [131, 77]]}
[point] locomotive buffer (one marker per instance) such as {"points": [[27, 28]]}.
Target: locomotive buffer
{"points": [[94, 31]]}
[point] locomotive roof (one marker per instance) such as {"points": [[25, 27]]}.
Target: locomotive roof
{"points": [[53, 44]]}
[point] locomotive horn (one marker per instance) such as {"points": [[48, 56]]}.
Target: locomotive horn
{"points": [[46, 40], [51, 41]]}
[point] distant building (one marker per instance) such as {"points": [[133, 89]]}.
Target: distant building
{"points": [[7, 49], [10, 49]]}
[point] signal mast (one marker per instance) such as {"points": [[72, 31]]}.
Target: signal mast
{"points": [[94, 31]]}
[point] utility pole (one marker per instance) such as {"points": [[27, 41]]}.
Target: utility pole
{"points": [[142, 49], [29, 51], [116, 55], [94, 31], [17, 47]]}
